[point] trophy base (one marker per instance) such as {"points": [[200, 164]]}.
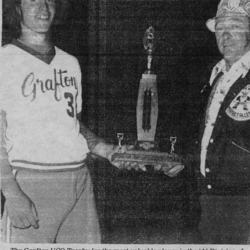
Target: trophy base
{"points": [[147, 153], [148, 158]]}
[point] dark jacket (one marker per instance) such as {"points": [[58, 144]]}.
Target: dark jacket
{"points": [[228, 153]]}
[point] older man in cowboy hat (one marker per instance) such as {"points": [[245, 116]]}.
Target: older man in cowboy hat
{"points": [[224, 176]]}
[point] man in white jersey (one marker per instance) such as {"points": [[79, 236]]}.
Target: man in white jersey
{"points": [[224, 166], [44, 178]]}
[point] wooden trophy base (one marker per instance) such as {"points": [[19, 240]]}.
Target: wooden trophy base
{"points": [[152, 158], [141, 154]]}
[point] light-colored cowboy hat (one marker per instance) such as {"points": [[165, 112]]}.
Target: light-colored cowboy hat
{"points": [[229, 8]]}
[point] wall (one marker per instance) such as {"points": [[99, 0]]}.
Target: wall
{"points": [[185, 52], [184, 56]]}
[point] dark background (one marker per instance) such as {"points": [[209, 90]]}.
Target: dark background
{"points": [[106, 37]]}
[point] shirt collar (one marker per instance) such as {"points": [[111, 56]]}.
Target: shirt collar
{"points": [[47, 58], [242, 65]]}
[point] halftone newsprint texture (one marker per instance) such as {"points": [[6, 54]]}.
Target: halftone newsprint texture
{"points": [[139, 210]]}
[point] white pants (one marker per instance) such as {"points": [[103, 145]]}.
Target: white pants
{"points": [[65, 205]]}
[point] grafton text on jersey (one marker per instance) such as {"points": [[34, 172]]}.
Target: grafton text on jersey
{"points": [[31, 84]]}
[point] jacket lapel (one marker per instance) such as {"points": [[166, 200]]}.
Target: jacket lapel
{"points": [[206, 93]]}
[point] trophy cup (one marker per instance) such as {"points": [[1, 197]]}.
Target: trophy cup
{"points": [[145, 150]]}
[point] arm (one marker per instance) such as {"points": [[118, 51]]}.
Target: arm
{"points": [[101, 148], [8, 182], [91, 138], [97, 145], [20, 208]]}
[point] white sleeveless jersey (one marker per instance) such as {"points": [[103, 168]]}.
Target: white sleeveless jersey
{"points": [[41, 102]]}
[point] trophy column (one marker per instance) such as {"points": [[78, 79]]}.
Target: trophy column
{"points": [[147, 103], [147, 108]]}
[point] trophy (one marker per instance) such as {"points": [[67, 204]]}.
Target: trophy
{"points": [[147, 102], [145, 150]]}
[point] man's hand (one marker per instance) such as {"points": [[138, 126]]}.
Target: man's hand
{"points": [[20, 208], [108, 150], [21, 211], [172, 170], [124, 164]]}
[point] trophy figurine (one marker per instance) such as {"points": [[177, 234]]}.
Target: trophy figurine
{"points": [[145, 150], [148, 42]]}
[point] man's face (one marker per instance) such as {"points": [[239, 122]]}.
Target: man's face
{"points": [[38, 15], [232, 35]]}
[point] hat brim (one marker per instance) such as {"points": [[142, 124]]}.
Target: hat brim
{"points": [[211, 24]]}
